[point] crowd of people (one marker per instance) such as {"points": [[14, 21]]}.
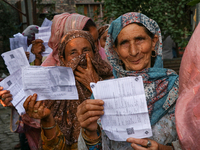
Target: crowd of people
{"points": [[130, 46]]}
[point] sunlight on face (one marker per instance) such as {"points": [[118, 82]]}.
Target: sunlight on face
{"points": [[135, 47]]}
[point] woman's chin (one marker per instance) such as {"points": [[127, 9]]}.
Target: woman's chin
{"points": [[137, 67]]}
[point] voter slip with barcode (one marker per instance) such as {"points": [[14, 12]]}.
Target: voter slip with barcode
{"points": [[125, 108]]}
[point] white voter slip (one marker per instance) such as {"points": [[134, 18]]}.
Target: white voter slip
{"points": [[125, 108]]}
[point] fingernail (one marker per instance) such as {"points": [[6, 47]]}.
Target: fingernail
{"points": [[127, 140]]}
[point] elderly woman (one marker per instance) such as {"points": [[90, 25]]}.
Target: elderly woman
{"points": [[60, 126], [63, 23], [134, 47]]}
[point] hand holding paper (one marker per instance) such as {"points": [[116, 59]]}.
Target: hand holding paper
{"points": [[36, 109], [15, 59], [125, 108], [37, 49], [52, 83], [88, 112], [5, 97]]}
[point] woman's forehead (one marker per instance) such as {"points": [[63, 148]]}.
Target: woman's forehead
{"points": [[132, 30], [79, 42]]}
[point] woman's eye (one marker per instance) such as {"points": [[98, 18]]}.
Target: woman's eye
{"points": [[85, 50], [72, 53], [125, 45], [140, 39], [123, 42]]}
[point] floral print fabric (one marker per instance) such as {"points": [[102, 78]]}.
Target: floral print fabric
{"points": [[160, 84]]}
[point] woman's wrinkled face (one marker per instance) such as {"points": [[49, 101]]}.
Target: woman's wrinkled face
{"points": [[76, 47], [103, 39], [94, 32], [135, 47]]}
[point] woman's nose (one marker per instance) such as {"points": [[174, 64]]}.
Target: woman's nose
{"points": [[80, 52], [133, 50]]}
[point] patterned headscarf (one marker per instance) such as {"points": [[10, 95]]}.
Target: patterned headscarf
{"points": [[61, 24], [103, 29], [188, 104], [72, 35], [161, 85], [64, 111], [30, 33]]}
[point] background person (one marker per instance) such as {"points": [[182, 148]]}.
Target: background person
{"points": [[102, 41], [168, 46], [103, 31], [30, 32]]}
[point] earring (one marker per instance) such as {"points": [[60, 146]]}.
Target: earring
{"points": [[61, 63], [153, 53], [120, 62]]}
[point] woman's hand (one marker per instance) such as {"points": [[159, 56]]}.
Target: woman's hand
{"points": [[147, 144], [88, 112], [37, 49], [36, 109], [27, 55], [5, 98], [85, 76]]}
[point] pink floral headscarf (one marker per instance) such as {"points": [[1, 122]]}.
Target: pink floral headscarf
{"points": [[61, 25]]}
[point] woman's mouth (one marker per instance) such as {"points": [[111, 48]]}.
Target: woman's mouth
{"points": [[135, 61]]}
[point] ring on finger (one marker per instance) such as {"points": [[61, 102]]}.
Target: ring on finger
{"points": [[35, 111], [148, 144]]}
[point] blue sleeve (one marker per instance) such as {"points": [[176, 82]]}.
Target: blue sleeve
{"points": [[92, 96]]}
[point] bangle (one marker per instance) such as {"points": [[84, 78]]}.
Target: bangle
{"points": [[170, 144], [48, 128], [90, 141], [87, 143]]}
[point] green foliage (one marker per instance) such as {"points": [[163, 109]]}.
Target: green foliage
{"points": [[40, 15], [8, 24], [172, 16], [194, 2], [80, 9]]}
